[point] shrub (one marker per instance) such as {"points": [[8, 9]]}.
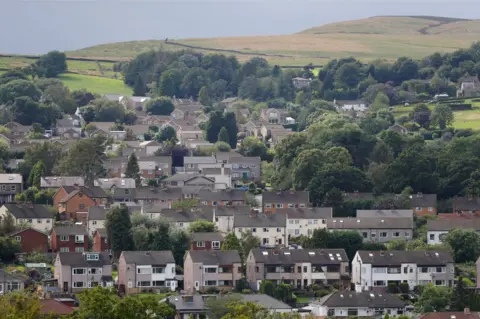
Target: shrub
{"points": [[403, 287], [321, 292], [392, 288]]}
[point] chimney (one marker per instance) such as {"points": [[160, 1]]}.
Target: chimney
{"points": [[30, 204], [466, 311], [252, 213]]}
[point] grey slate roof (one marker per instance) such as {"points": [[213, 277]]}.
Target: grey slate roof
{"points": [[217, 257], [28, 211], [398, 257], [424, 200], [384, 213], [234, 210], [11, 179], [306, 213], [260, 220], [6, 277], [146, 193], [59, 181], [448, 224], [79, 259], [370, 223], [285, 197], [224, 195], [69, 230], [199, 160], [369, 299], [215, 236], [179, 177], [107, 183], [466, 203], [92, 191], [186, 216], [216, 171], [289, 257], [150, 257], [96, 213]]}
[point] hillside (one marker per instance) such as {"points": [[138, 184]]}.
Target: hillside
{"points": [[386, 37]]}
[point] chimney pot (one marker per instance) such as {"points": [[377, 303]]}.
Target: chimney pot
{"points": [[466, 311]]}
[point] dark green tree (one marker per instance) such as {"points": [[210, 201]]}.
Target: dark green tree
{"points": [[460, 296], [231, 243], [133, 170], [202, 226], [465, 244], [267, 288], [223, 136], [161, 238], [180, 244], [203, 96], [36, 174], [51, 64], [160, 106], [119, 229], [167, 133]]}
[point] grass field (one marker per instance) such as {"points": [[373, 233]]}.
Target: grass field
{"points": [[95, 84], [366, 39]]}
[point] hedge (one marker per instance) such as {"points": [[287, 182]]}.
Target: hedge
{"points": [[460, 106]]}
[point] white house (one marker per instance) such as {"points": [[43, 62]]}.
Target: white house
{"points": [[358, 304], [222, 175], [437, 230], [377, 269], [269, 228], [37, 216], [359, 106], [303, 221]]}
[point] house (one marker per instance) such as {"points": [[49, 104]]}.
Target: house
{"points": [[399, 129], [133, 102], [162, 165], [78, 271], [10, 185], [146, 271], [116, 167], [206, 241], [303, 221], [267, 129], [55, 182], [224, 216], [195, 144], [218, 269], [358, 304], [157, 196], [180, 219], [153, 120], [466, 204], [269, 228], [221, 175], [150, 147], [300, 83], [193, 164], [438, 229], [277, 135], [36, 216], [252, 128], [424, 204], [100, 241], [469, 87], [112, 183], [68, 238], [466, 314], [228, 197], [31, 240], [229, 101], [243, 168], [95, 219], [384, 213], [189, 180], [375, 270], [67, 124], [274, 116], [194, 306], [71, 200], [375, 229], [189, 132], [357, 105], [17, 130], [287, 199], [9, 283], [298, 267]]}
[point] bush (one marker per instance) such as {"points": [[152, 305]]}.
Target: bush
{"points": [[212, 290], [403, 287], [392, 288], [320, 293], [460, 106], [246, 291]]}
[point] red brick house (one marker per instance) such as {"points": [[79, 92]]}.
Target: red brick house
{"points": [[206, 241], [100, 241], [229, 197], [31, 240], [70, 200], [69, 238]]}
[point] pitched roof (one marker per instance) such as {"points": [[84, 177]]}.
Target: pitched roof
{"points": [[51, 306], [179, 177], [69, 230], [233, 210], [286, 197], [370, 223], [260, 220], [146, 193], [398, 257], [8, 277], [384, 213], [59, 181], [216, 171], [288, 257], [92, 192], [306, 213], [215, 236], [23, 230], [199, 160], [79, 259], [96, 213], [11, 179], [224, 195], [451, 315], [351, 299], [186, 216], [466, 203], [150, 257], [107, 183], [424, 200], [102, 232], [217, 257], [28, 211], [138, 128], [448, 224]]}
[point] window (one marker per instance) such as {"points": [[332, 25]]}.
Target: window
{"points": [[64, 249], [81, 206], [158, 283], [158, 270], [18, 238], [352, 312], [279, 230], [379, 283], [405, 270], [379, 270], [302, 205], [200, 244], [79, 238], [423, 270], [144, 271], [315, 221], [48, 221], [290, 221], [13, 188], [265, 230], [291, 205], [79, 249], [215, 244], [373, 235], [310, 221], [30, 220], [210, 270], [396, 234], [79, 271], [257, 269], [383, 235], [127, 192], [331, 312], [80, 194], [407, 234], [305, 268], [430, 209], [439, 282], [297, 221], [210, 283], [432, 236], [254, 230], [423, 282], [143, 283], [214, 203], [279, 205], [440, 269], [92, 257], [364, 234], [4, 187], [95, 271], [418, 209], [297, 232], [78, 284], [39, 221], [268, 205]]}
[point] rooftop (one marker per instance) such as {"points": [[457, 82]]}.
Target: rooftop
{"points": [[353, 299], [370, 223], [59, 181], [206, 237], [29, 211], [217, 257], [82, 259], [448, 224], [260, 220], [286, 197], [398, 257], [289, 257], [150, 257], [69, 230], [11, 179]]}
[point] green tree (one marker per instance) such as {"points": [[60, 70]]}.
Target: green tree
{"points": [[180, 244], [231, 242], [21, 305], [397, 244], [169, 84], [460, 296], [51, 64], [465, 244], [253, 147], [133, 170], [442, 116], [283, 292], [223, 135], [248, 242], [201, 226], [36, 174], [216, 308], [267, 287], [244, 310], [161, 238], [19, 88], [203, 96], [8, 249], [82, 97], [119, 229], [319, 239], [167, 133], [433, 299], [160, 106], [185, 204]]}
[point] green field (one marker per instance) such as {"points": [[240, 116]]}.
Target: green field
{"points": [[463, 119], [95, 84]]}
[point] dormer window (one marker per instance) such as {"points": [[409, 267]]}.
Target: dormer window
{"points": [[91, 256]]}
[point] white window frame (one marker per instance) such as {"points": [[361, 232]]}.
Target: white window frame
{"points": [[84, 271], [64, 249], [200, 244], [215, 244], [18, 239], [75, 284], [79, 249]]}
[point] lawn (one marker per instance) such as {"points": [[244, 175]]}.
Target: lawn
{"points": [[159, 296], [304, 299], [95, 84]]}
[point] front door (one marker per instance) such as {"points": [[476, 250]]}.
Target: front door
{"points": [[65, 286]]}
